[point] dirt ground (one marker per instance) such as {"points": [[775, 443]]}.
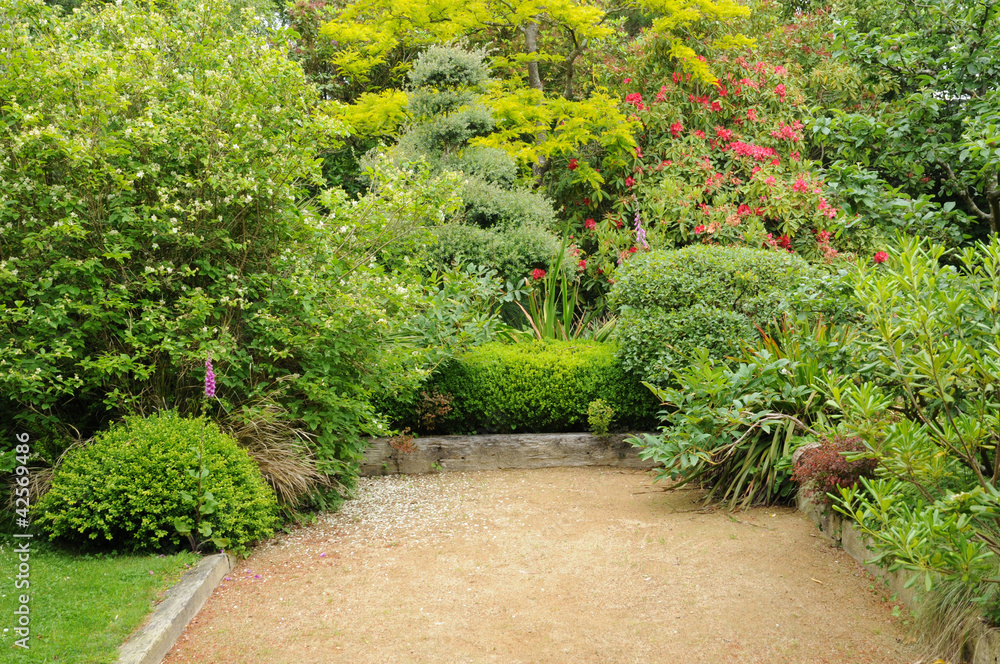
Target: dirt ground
{"points": [[545, 566]]}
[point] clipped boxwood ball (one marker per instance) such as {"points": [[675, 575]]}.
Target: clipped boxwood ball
{"points": [[124, 488]]}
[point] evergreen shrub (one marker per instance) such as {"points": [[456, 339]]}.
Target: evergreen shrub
{"points": [[123, 490], [513, 253], [540, 387], [671, 302]]}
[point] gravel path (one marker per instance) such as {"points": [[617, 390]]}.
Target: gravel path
{"points": [[552, 565]]}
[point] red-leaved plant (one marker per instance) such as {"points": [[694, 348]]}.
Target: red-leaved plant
{"points": [[820, 470]]}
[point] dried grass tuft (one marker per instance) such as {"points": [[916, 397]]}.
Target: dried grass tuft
{"points": [[281, 450], [39, 479], [948, 622]]}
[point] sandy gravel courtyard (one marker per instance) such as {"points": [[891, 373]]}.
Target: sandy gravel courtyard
{"points": [[543, 566]]}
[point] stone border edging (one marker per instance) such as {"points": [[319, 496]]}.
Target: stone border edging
{"points": [[151, 642], [501, 451], [982, 645]]}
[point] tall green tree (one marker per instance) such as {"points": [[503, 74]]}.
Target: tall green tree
{"points": [[941, 61]]}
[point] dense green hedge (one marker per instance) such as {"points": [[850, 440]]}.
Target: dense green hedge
{"points": [[538, 387], [701, 296], [124, 489]]}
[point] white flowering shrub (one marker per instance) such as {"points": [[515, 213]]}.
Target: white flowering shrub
{"points": [[159, 174]]}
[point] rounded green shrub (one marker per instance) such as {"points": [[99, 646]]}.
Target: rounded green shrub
{"points": [[748, 281], [124, 489], [671, 302], [653, 341], [540, 387], [513, 253]]}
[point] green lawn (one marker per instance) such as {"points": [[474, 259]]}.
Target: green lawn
{"points": [[82, 607]]}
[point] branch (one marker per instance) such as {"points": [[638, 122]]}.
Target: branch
{"points": [[963, 193]]}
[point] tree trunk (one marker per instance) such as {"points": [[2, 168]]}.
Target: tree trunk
{"points": [[993, 198], [530, 31], [531, 46], [571, 67]]}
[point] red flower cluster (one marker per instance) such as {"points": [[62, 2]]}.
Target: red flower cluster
{"points": [[823, 240], [698, 230], [827, 209], [789, 132], [635, 99], [779, 90], [880, 257], [538, 274], [783, 242], [750, 150], [590, 224], [676, 129], [573, 164]]}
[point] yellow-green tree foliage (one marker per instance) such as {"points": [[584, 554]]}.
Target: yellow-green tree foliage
{"points": [[370, 35]]}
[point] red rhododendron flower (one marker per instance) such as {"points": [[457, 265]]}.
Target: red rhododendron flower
{"points": [[698, 230], [779, 90], [590, 224], [752, 114], [789, 132], [572, 164], [676, 129], [880, 257], [629, 182], [698, 133], [743, 210], [586, 201], [724, 134], [661, 96], [635, 99], [627, 81], [716, 106], [632, 250], [800, 185], [750, 150], [538, 274], [582, 265], [677, 77]]}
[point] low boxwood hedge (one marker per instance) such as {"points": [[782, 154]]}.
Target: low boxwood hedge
{"points": [[535, 387]]}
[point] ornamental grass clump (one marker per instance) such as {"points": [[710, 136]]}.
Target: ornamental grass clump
{"points": [[125, 489]]}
